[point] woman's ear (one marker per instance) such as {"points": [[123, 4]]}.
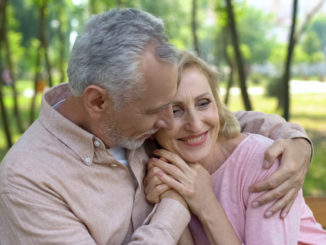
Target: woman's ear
{"points": [[96, 100]]}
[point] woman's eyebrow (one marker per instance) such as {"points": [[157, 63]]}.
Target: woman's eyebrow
{"points": [[177, 102]]}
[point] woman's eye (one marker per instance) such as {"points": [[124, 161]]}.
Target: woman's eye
{"points": [[177, 111], [203, 104]]}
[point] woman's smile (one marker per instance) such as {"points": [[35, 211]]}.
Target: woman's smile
{"points": [[195, 140]]}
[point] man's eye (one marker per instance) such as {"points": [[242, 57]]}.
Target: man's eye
{"points": [[177, 111], [204, 103]]}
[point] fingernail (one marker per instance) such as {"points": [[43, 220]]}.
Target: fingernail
{"points": [[255, 204], [268, 214], [154, 159], [284, 214], [265, 164]]}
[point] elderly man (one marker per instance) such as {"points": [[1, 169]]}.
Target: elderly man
{"points": [[75, 177]]}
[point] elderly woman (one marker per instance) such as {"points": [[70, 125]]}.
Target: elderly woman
{"points": [[211, 165]]}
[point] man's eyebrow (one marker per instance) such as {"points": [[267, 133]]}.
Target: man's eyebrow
{"points": [[158, 109]]}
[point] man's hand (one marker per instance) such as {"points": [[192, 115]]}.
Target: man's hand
{"points": [[156, 190], [153, 186], [284, 184]]}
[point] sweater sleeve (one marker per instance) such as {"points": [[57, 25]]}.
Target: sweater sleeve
{"points": [[258, 229], [272, 230]]}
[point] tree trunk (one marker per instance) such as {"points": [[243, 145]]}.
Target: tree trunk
{"points": [[3, 110], [43, 40], [225, 35], [4, 117], [194, 27], [238, 56], [62, 44], [7, 52], [287, 70], [119, 4], [92, 6], [36, 79]]}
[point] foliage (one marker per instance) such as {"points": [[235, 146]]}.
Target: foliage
{"points": [[318, 26]]}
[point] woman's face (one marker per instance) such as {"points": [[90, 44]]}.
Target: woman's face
{"points": [[196, 120]]}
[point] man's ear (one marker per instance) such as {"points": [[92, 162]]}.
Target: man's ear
{"points": [[96, 100]]}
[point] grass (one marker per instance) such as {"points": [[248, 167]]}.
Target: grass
{"points": [[308, 110]]}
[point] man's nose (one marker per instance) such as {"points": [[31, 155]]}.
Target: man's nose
{"points": [[166, 118]]}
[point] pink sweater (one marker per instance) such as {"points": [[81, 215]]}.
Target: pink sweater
{"points": [[231, 182]]}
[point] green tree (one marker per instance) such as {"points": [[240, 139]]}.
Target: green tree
{"points": [[311, 45], [318, 26]]}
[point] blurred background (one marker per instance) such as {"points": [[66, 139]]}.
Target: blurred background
{"points": [[271, 56]]}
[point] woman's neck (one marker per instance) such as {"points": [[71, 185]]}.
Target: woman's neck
{"points": [[220, 152]]}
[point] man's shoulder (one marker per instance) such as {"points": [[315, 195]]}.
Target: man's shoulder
{"points": [[31, 160]]}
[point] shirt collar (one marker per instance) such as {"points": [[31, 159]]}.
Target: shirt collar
{"points": [[80, 141]]}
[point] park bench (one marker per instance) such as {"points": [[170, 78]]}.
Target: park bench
{"points": [[318, 207]]}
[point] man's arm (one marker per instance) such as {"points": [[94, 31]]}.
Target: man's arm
{"points": [[294, 149], [27, 221], [165, 224]]}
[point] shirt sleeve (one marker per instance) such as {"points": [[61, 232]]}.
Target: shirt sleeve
{"points": [[164, 225], [269, 125], [29, 222]]}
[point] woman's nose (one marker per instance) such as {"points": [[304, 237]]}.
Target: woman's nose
{"points": [[193, 122]]}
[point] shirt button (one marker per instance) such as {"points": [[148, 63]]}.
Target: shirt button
{"points": [[87, 160], [97, 143]]}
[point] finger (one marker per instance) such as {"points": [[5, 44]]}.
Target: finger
{"points": [[151, 180], [171, 170], [281, 204], [150, 173], [172, 183], [172, 158], [154, 195], [273, 152], [273, 181], [273, 194], [287, 208], [150, 163]]}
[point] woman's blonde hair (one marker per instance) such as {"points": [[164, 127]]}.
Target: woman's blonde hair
{"points": [[229, 126]]}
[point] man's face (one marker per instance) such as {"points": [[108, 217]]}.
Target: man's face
{"points": [[133, 123]]}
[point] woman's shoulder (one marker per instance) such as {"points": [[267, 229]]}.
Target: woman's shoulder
{"points": [[247, 159], [254, 143]]}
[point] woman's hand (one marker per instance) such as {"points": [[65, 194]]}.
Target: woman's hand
{"points": [[191, 181], [284, 184]]}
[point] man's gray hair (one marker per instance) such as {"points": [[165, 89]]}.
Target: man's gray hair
{"points": [[107, 53]]}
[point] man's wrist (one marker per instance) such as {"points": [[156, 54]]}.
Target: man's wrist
{"points": [[172, 194], [306, 140]]}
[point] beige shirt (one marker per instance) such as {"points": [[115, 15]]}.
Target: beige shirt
{"points": [[60, 185]]}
